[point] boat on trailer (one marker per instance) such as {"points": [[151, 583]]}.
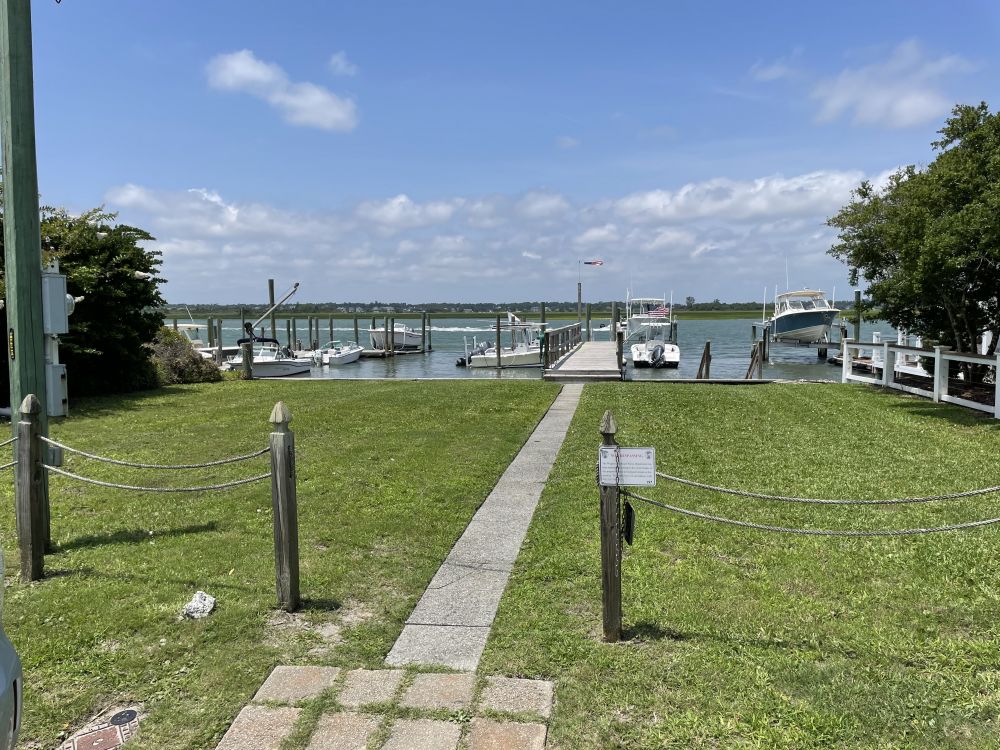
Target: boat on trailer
{"points": [[649, 332], [802, 317]]}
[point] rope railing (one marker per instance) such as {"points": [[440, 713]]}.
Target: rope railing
{"points": [[8, 441], [811, 532], [115, 485], [134, 465], [816, 501], [11, 465]]}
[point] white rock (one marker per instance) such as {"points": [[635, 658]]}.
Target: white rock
{"points": [[201, 605]]}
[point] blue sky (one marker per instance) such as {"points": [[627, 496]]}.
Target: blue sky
{"points": [[477, 151]]}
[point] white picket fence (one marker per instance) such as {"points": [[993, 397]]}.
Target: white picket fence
{"points": [[893, 353]]}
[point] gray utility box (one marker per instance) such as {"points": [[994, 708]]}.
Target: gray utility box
{"points": [[55, 304], [55, 387]]}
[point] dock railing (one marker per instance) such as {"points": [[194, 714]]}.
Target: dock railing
{"points": [[559, 342], [939, 380]]}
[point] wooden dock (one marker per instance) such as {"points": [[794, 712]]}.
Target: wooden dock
{"points": [[589, 361]]}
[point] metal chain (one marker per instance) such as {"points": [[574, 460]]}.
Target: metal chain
{"points": [[205, 488], [119, 462], [8, 441], [813, 532], [813, 501]]}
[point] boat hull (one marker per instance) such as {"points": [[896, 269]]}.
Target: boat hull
{"points": [[530, 358], [805, 327], [344, 358], [275, 368], [646, 355], [402, 340]]}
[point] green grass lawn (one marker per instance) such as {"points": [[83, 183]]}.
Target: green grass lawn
{"points": [[389, 475], [743, 639]]}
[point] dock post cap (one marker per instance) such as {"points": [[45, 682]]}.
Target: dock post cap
{"points": [[280, 416], [608, 424], [31, 404]]}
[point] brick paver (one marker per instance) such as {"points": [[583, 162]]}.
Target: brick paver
{"points": [[434, 691], [366, 686], [343, 731], [511, 695], [259, 728], [293, 684], [423, 734], [494, 735]]}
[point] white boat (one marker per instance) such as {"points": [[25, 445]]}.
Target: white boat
{"points": [[649, 333], [270, 360], [525, 348], [803, 317], [192, 332], [403, 337], [335, 353]]}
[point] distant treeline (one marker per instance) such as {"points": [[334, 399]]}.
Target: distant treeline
{"points": [[369, 308]]}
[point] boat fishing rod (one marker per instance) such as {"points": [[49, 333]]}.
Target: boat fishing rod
{"points": [[289, 293]]}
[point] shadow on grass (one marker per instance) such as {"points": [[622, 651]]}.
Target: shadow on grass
{"points": [[309, 604], [650, 631], [132, 536], [959, 415]]}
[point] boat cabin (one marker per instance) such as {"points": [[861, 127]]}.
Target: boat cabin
{"points": [[801, 301]]}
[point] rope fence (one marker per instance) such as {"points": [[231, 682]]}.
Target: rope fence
{"points": [[130, 464], [114, 485]]}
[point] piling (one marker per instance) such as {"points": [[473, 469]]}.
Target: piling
{"points": [[218, 342], [857, 315], [355, 330], [270, 301], [497, 346], [288, 332], [243, 320], [430, 326], [175, 324], [28, 492], [386, 344], [614, 319], [285, 509], [541, 307], [247, 356], [210, 332], [590, 336], [423, 332]]}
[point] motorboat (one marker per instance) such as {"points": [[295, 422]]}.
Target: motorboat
{"points": [[649, 333], [192, 332], [270, 360], [335, 353], [803, 317], [525, 348], [403, 337]]}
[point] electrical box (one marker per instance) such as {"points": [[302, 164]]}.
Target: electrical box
{"points": [[55, 304], [58, 394]]}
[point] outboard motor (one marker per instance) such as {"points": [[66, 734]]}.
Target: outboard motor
{"points": [[656, 358]]}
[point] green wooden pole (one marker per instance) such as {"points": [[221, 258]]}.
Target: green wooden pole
{"points": [[22, 233]]}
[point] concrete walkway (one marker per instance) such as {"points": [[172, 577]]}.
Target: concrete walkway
{"points": [[452, 620]]}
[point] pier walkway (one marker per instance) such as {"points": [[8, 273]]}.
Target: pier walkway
{"points": [[590, 361], [451, 622]]}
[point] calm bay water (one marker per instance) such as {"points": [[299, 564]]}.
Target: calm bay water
{"points": [[730, 351]]}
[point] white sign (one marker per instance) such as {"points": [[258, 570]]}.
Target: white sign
{"points": [[627, 467]]}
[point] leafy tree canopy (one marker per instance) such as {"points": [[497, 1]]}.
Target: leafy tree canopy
{"points": [[928, 242], [105, 350]]}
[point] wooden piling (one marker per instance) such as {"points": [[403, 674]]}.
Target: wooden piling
{"points": [[356, 339], [175, 324], [611, 550], [386, 337], [243, 320], [330, 330], [614, 320], [218, 342], [497, 347], [246, 349], [705, 366], [857, 315], [430, 327], [288, 333], [423, 332], [590, 336], [285, 509], [28, 492], [270, 303], [209, 332]]}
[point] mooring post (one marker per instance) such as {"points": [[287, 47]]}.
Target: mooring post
{"points": [[175, 324], [270, 303], [423, 331], [390, 336], [209, 332], [357, 339], [329, 329], [28, 492], [590, 336], [284, 505], [857, 315], [611, 546], [288, 333], [497, 346], [430, 327], [246, 349], [218, 341]]}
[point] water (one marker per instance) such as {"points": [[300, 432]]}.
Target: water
{"points": [[731, 340]]}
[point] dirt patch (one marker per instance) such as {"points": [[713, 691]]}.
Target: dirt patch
{"points": [[284, 628]]}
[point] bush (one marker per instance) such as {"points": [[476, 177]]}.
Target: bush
{"points": [[176, 361]]}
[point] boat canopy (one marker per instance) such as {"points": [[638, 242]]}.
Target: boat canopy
{"points": [[804, 299]]}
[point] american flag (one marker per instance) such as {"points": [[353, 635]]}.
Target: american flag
{"points": [[659, 312], [593, 262]]}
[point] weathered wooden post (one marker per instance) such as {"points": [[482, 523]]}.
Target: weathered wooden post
{"points": [[541, 309], [330, 330], [29, 506], [390, 337], [611, 546], [218, 341], [295, 335], [175, 324], [210, 332], [270, 303], [857, 315], [614, 320], [284, 504], [357, 339], [288, 333], [590, 335], [423, 332], [430, 327], [246, 349]]}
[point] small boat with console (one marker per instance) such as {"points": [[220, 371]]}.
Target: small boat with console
{"points": [[335, 353], [404, 338], [649, 333], [270, 360], [802, 317], [192, 332], [525, 348]]}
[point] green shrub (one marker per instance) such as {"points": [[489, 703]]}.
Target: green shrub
{"points": [[176, 361]]}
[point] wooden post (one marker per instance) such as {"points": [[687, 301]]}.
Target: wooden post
{"points": [[541, 308], [218, 342], [590, 335], [243, 319], [423, 332], [288, 333], [390, 337], [28, 491], [857, 315], [614, 320], [356, 337], [497, 347], [247, 357], [270, 303], [285, 507], [579, 302], [175, 324], [386, 344], [209, 332], [295, 335], [430, 327], [941, 367], [611, 549], [330, 330]]}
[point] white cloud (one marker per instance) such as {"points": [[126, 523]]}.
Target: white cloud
{"points": [[598, 235], [776, 70], [402, 213], [341, 66], [541, 205], [902, 91], [531, 256], [305, 104], [567, 142], [815, 192]]}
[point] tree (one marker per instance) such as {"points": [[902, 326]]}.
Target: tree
{"points": [[106, 348], [689, 302], [928, 243]]}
